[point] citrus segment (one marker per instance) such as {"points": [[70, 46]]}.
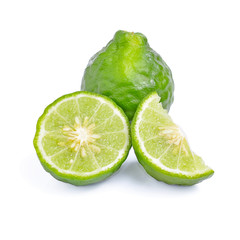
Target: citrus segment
{"points": [[162, 148]]}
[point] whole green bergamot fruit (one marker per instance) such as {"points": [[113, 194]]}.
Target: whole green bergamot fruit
{"points": [[127, 70]]}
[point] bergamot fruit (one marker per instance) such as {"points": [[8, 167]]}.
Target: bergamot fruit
{"points": [[82, 138], [162, 148], [127, 70]]}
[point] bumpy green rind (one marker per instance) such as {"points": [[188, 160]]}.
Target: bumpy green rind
{"points": [[154, 170], [74, 179], [128, 69]]}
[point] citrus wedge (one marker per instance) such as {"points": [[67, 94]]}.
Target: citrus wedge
{"points": [[162, 148], [82, 138]]}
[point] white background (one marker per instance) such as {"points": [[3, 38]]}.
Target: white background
{"points": [[44, 49]]}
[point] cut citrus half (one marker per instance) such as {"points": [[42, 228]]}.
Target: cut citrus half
{"points": [[82, 138], [162, 148]]}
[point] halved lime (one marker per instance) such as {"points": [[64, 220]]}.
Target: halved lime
{"points": [[162, 148], [82, 138]]}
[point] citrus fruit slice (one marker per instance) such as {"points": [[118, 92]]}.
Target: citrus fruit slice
{"points": [[82, 138], [162, 148]]}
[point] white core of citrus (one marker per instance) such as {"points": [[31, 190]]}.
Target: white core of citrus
{"points": [[173, 135], [82, 136]]}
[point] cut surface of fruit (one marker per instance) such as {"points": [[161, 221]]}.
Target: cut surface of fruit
{"points": [[82, 138], [162, 148]]}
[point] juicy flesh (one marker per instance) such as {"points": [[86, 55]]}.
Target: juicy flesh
{"points": [[83, 134], [164, 142]]}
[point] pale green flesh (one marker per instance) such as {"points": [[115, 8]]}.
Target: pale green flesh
{"points": [[108, 125], [175, 157]]}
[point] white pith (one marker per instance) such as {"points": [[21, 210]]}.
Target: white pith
{"points": [[121, 153], [81, 136], [174, 135]]}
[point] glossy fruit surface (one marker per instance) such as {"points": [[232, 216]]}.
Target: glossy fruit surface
{"points": [[127, 70]]}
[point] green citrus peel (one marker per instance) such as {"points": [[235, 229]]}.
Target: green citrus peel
{"points": [[127, 70]]}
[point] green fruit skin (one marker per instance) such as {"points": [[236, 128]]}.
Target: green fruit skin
{"points": [[71, 178], [155, 171], [164, 176], [127, 70]]}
